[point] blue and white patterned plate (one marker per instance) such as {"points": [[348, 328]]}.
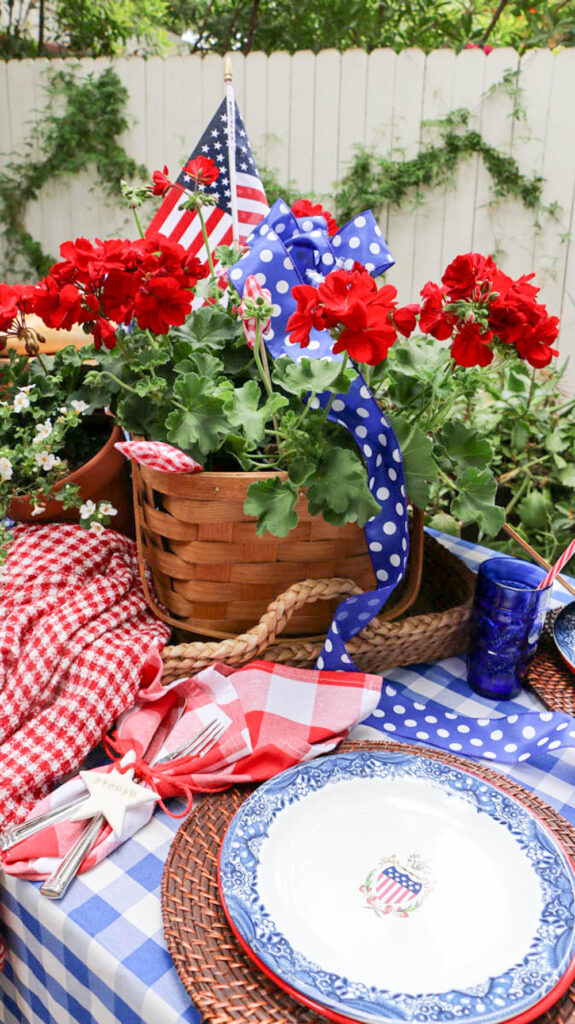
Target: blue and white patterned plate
{"points": [[564, 633], [388, 887]]}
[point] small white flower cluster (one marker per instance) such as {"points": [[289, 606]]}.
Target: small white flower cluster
{"points": [[46, 460], [43, 430], [93, 514], [6, 470]]}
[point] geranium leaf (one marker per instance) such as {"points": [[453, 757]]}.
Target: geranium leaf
{"points": [[350, 500], [418, 461], [567, 476], [243, 410], [204, 363], [301, 471], [464, 447], [199, 418], [534, 511], [315, 375], [210, 327], [273, 502], [445, 523], [476, 500]]}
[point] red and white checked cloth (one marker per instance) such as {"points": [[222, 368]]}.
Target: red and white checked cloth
{"points": [[159, 455], [75, 632], [276, 716]]}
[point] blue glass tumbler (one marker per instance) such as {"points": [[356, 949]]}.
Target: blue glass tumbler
{"points": [[506, 623]]}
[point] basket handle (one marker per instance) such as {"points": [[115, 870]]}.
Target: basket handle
{"points": [[185, 659]]}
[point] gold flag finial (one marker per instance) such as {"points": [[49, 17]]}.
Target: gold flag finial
{"points": [[227, 69]]}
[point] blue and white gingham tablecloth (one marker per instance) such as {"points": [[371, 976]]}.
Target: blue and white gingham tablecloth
{"points": [[98, 956]]}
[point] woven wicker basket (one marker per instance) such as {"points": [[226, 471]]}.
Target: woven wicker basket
{"points": [[436, 625], [215, 577]]}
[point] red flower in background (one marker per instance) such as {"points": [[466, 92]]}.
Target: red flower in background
{"points": [[305, 208], [162, 304], [161, 182], [482, 305], [202, 170]]}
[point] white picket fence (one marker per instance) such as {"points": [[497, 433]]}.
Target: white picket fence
{"points": [[305, 113]]}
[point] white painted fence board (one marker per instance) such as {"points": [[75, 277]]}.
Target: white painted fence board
{"points": [[496, 126], [352, 106], [326, 125], [254, 107], [379, 111], [302, 125], [468, 79], [430, 218], [278, 139], [155, 121], [407, 113]]}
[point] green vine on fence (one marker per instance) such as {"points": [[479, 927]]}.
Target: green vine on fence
{"points": [[374, 181], [84, 135]]}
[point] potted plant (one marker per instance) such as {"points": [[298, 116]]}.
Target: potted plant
{"points": [[57, 456], [285, 489]]}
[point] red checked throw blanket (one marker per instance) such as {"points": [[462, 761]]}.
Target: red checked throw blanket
{"points": [[74, 634]]}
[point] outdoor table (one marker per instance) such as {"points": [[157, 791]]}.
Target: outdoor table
{"points": [[98, 956]]}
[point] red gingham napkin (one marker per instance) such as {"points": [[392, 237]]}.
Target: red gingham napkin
{"points": [[75, 632], [275, 717], [159, 455]]}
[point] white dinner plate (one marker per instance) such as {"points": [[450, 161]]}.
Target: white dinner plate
{"points": [[387, 886]]}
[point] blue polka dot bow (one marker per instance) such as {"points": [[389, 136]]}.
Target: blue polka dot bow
{"points": [[286, 251]]}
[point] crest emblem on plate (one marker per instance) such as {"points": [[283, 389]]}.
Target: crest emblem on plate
{"points": [[397, 888]]}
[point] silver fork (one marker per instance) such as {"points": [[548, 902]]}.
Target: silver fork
{"points": [[10, 837], [56, 885], [14, 835]]}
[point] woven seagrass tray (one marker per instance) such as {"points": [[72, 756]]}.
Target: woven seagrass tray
{"points": [[435, 625], [220, 978]]}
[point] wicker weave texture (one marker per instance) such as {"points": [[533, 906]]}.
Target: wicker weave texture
{"points": [[216, 577], [220, 978], [436, 626]]}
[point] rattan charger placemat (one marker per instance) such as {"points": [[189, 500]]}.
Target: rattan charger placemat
{"points": [[222, 981]]}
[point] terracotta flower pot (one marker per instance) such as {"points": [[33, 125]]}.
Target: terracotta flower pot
{"points": [[103, 478]]}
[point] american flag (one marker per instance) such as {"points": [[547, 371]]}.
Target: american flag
{"points": [[183, 226], [394, 887]]}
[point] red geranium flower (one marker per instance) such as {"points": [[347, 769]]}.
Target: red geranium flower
{"points": [[433, 319], [202, 170], [104, 333], [465, 273], [163, 304], [470, 347], [10, 295], [162, 183], [305, 208], [58, 305]]}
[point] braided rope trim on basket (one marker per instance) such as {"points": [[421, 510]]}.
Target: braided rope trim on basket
{"points": [[186, 658]]}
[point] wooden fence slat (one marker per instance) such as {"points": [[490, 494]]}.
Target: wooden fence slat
{"points": [[278, 140], [255, 102], [407, 109], [491, 227], [352, 106], [326, 128], [430, 218], [302, 124]]}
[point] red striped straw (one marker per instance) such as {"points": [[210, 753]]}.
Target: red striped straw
{"points": [[557, 567]]}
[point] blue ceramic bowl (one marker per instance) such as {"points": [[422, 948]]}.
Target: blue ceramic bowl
{"points": [[564, 634]]}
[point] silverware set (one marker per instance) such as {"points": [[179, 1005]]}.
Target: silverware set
{"points": [[56, 885]]}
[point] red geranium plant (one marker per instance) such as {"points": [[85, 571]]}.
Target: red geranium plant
{"points": [[173, 364]]}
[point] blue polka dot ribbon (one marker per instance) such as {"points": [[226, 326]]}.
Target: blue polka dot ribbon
{"points": [[508, 739], [286, 251]]}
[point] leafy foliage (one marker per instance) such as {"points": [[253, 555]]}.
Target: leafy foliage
{"points": [[372, 181], [483, 445], [268, 25], [61, 144]]}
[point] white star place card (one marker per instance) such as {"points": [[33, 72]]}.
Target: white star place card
{"points": [[111, 794]]}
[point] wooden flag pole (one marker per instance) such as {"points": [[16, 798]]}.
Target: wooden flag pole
{"points": [[231, 112]]}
